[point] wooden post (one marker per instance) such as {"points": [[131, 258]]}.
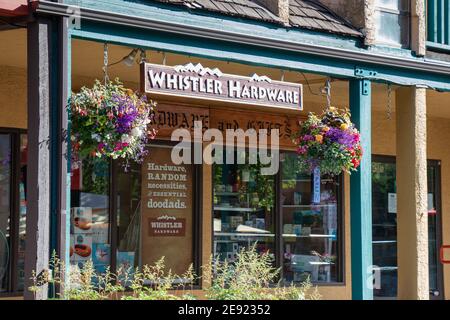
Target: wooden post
{"points": [[412, 205], [48, 169], [361, 194], [62, 152], [38, 180]]}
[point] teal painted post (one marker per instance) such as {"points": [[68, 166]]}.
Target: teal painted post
{"points": [[361, 194]]}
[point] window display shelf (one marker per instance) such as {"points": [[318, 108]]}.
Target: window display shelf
{"points": [[309, 236], [236, 234], [321, 263], [308, 205], [384, 242], [386, 268], [297, 180], [384, 225], [237, 209], [307, 180], [227, 194]]}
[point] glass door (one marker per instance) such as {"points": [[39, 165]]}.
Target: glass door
{"points": [[384, 224], [5, 210], [434, 230]]}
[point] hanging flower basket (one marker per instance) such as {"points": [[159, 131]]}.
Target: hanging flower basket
{"points": [[110, 121], [329, 142]]}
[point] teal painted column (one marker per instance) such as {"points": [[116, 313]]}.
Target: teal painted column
{"points": [[361, 194]]}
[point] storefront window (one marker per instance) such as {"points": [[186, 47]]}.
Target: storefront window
{"points": [[385, 227], [306, 224], [22, 210], [5, 209], [150, 215], [90, 213], [244, 209], [310, 224], [13, 209], [128, 216]]}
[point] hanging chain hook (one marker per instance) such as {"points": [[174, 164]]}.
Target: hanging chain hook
{"points": [[389, 105], [328, 92], [105, 63]]}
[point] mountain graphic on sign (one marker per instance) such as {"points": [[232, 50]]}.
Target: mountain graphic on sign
{"points": [[256, 78], [166, 217], [199, 69]]}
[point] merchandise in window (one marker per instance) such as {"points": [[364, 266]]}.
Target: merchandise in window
{"points": [[310, 224], [306, 224], [244, 203], [90, 238]]}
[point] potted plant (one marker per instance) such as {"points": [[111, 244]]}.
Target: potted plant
{"points": [[329, 142], [109, 120]]}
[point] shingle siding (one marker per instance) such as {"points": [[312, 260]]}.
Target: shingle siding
{"points": [[308, 14]]}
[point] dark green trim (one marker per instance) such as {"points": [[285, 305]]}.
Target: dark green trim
{"points": [[361, 194]]}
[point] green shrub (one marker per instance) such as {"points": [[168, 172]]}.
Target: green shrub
{"points": [[251, 277]]}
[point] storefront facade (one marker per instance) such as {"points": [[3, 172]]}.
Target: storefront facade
{"points": [[217, 209]]}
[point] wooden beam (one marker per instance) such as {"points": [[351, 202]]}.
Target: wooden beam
{"points": [[361, 194], [63, 150], [38, 180], [48, 217]]}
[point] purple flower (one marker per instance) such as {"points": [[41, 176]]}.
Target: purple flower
{"points": [[126, 113], [342, 137]]}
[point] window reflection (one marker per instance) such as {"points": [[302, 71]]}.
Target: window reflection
{"points": [[244, 202], [90, 213], [5, 209], [309, 226]]}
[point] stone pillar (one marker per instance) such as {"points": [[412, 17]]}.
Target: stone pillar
{"points": [[360, 13], [418, 27], [412, 211]]}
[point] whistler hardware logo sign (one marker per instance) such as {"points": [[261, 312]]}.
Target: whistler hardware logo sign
{"points": [[198, 82], [167, 226]]}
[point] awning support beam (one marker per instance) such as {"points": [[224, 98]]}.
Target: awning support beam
{"points": [[361, 194]]}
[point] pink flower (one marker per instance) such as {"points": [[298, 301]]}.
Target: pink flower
{"points": [[302, 150]]}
